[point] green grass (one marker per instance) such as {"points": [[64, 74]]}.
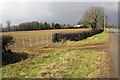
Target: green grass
{"points": [[99, 38], [60, 63], [75, 64]]}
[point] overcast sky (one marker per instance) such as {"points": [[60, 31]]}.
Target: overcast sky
{"points": [[61, 12]]}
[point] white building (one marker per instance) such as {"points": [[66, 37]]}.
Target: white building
{"points": [[78, 25]]}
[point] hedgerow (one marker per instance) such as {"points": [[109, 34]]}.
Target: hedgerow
{"points": [[6, 41], [74, 36]]}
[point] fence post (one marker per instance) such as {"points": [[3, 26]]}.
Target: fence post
{"points": [[47, 39], [30, 42]]}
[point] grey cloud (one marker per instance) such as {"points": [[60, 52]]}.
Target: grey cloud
{"points": [[62, 12]]}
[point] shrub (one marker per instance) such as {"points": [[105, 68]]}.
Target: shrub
{"points": [[58, 37], [7, 40]]}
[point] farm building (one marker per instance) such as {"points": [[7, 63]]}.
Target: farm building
{"points": [[80, 26]]}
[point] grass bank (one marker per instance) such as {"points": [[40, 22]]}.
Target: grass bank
{"points": [[71, 64]]}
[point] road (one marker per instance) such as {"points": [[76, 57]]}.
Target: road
{"points": [[113, 50], [116, 31]]}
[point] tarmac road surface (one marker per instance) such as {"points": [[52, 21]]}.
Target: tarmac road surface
{"points": [[114, 50]]}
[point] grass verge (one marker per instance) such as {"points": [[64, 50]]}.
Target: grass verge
{"points": [[99, 38], [71, 64]]}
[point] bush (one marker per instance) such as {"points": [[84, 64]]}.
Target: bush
{"points": [[7, 40], [58, 37]]}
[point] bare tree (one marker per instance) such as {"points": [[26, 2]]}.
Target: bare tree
{"points": [[94, 17], [8, 24]]}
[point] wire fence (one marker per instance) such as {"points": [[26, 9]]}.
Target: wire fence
{"points": [[32, 41]]}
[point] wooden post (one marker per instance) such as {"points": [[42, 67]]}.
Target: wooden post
{"points": [[30, 42], [47, 38], [104, 23]]}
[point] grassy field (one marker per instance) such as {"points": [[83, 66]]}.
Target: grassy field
{"points": [[82, 59], [39, 33]]}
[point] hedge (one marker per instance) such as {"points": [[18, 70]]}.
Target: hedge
{"points": [[7, 40], [76, 36]]}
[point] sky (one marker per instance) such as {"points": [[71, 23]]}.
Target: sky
{"points": [[58, 12]]}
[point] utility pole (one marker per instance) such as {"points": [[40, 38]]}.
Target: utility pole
{"points": [[104, 16], [104, 23]]}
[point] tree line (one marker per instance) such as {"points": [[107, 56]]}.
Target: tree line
{"points": [[94, 17], [34, 25]]}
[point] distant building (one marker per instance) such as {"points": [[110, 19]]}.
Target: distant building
{"points": [[78, 25]]}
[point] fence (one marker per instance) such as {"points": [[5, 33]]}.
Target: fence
{"points": [[32, 41]]}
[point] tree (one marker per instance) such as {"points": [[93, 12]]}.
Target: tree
{"points": [[35, 25], [57, 26], [40, 25], [45, 25], [94, 17], [68, 25], [8, 24], [53, 25]]}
